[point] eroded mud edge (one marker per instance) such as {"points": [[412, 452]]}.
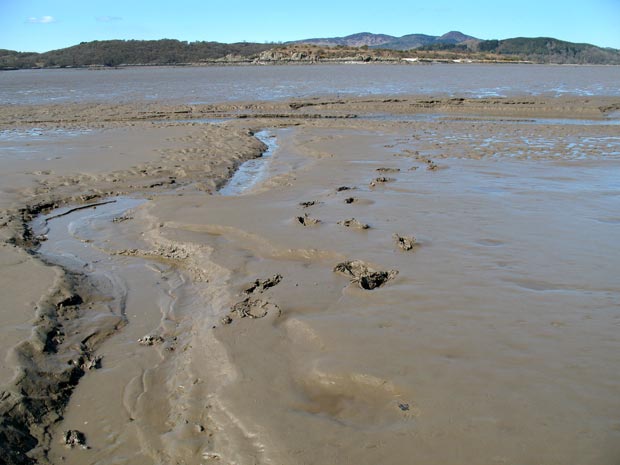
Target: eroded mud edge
{"points": [[60, 350]]}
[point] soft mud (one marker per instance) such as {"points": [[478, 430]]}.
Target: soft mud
{"points": [[474, 322]]}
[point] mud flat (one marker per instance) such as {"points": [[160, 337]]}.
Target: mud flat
{"points": [[167, 324]]}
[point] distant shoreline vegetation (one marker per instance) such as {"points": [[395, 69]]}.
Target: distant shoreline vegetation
{"points": [[168, 52]]}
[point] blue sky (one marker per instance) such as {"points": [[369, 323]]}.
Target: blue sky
{"points": [[41, 25]]}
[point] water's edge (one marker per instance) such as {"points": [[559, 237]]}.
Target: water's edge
{"points": [[252, 172]]}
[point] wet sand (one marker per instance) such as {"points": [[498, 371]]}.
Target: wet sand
{"points": [[227, 336]]}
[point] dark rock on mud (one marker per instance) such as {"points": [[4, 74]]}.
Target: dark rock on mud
{"points": [[70, 301], [350, 200], [150, 339], [307, 220], [375, 279], [388, 170], [343, 188], [405, 242], [54, 338], [226, 320], [308, 204], [364, 275], [87, 362], [261, 285], [121, 219], [381, 180], [74, 438], [353, 268], [92, 363]]}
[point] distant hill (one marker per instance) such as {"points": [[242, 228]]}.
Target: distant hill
{"points": [[131, 52], [413, 41], [537, 50], [455, 37], [362, 47], [405, 42], [361, 39]]}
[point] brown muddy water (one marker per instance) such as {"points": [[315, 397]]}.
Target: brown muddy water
{"points": [[251, 83], [496, 342]]}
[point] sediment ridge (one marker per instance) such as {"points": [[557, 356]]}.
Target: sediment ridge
{"points": [[109, 115], [60, 349]]}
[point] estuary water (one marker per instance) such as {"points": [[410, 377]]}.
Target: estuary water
{"points": [[242, 83]]}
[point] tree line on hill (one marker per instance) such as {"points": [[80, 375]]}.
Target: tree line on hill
{"points": [[113, 53], [537, 50], [129, 52]]}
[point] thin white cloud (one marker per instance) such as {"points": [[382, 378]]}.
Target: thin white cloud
{"points": [[108, 19], [42, 20]]}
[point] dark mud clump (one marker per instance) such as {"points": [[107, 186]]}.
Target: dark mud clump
{"points": [[343, 188], [252, 306], [403, 406], [150, 340], [350, 200], [381, 180], [307, 220], [260, 285], [310, 203], [430, 164], [364, 275], [87, 362], [70, 301], [74, 438], [388, 170], [405, 242], [121, 219], [353, 223]]}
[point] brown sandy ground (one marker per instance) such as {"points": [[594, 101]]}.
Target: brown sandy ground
{"points": [[148, 151], [41, 364]]}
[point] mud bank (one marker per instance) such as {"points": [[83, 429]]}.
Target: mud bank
{"points": [[89, 114], [68, 312], [201, 328]]}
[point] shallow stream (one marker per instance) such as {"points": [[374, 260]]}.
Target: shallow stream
{"points": [[251, 172]]}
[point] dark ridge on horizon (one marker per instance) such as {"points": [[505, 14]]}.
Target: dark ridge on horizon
{"points": [[364, 46], [406, 42]]}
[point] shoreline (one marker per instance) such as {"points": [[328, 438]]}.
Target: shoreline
{"points": [[291, 62], [189, 140]]}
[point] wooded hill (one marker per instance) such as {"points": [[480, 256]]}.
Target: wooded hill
{"points": [[130, 52], [406, 42], [537, 50], [112, 53]]}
